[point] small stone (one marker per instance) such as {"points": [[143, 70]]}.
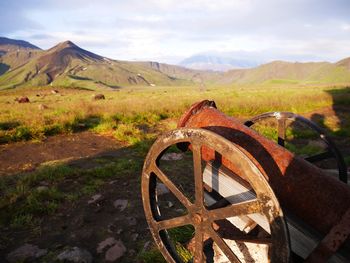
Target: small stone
{"points": [[105, 243], [146, 246], [172, 157], [44, 183], [94, 198], [120, 204], [132, 221], [111, 228], [76, 255], [98, 97], [161, 189], [25, 253], [54, 91], [134, 236], [115, 252], [170, 204], [22, 100]]}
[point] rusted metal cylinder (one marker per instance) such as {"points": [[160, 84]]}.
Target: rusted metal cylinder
{"points": [[301, 188]]}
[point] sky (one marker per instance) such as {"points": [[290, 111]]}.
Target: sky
{"points": [[171, 30]]}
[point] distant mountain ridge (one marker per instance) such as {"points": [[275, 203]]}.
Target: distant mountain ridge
{"points": [[14, 53], [4, 41], [293, 73], [66, 64], [217, 62]]}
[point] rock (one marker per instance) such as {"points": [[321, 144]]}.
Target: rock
{"points": [[22, 100], [146, 246], [170, 204], [105, 243], [94, 198], [132, 221], [98, 97], [111, 228], [180, 210], [42, 107], [172, 157], [54, 91], [76, 255], [25, 253], [44, 183], [134, 236], [115, 252], [120, 204], [113, 181], [162, 189]]}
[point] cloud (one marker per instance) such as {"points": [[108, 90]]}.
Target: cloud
{"points": [[153, 29]]}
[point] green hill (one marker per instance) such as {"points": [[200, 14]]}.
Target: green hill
{"points": [[287, 72], [68, 65], [14, 53]]}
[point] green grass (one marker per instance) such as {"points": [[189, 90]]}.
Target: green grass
{"points": [[131, 113], [179, 237], [24, 201]]}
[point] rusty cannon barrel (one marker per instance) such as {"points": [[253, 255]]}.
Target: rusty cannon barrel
{"points": [[302, 189]]}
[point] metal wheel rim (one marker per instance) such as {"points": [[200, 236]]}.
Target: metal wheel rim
{"points": [[332, 152], [198, 216]]}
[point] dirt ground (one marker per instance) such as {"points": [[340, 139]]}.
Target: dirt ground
{"points": [[26, 156], [87, 222]]}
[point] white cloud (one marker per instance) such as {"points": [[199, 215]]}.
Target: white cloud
{"points": [[153, 29]]}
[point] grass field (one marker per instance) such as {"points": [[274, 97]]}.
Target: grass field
{"points": [[134, 117], [128, 112]]}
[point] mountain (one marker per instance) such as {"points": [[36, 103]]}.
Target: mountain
{"points": [[196, 76], [8, 44], [291, 73], [220, 61], [66, 64], [344, 63], [14, 53]]}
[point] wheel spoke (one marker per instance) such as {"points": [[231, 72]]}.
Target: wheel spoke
{"points": [[319, 157], [250, 239], [244, 208], [281, 131], [174, 222], [172, 187], [198, 255], [198, 175], [223, 246]]}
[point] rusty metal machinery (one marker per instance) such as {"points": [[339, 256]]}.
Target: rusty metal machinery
{"points": [[252, 201]]}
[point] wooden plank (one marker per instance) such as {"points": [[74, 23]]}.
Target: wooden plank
{"points": [[236, 190]]}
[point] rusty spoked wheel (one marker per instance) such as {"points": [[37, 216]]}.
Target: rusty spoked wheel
{"points": [[198, 214], [331, 151]]}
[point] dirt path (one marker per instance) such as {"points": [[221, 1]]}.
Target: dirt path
{"points": [[26, 156]]}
